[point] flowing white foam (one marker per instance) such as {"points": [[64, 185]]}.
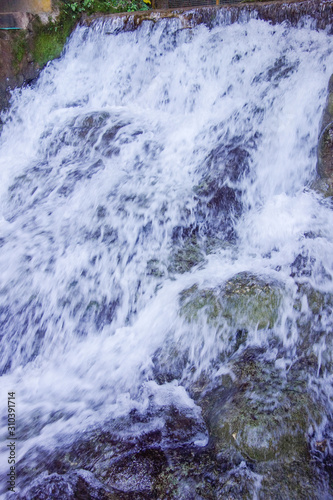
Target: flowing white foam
{"points": [[98, 162]]}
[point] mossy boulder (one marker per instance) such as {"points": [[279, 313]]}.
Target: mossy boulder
{"points": [[251, 301], [264, 419], [244, 302]]}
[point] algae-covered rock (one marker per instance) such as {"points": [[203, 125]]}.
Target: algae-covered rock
{"points": [[245, 302], [264, 420], [260, 426], [251, 301], [186, 255]]}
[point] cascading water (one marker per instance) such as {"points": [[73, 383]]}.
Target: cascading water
{"points": [[149, 178]]}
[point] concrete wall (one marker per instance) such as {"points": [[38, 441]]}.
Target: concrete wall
{"points": [[33, 6], [13, 13]]}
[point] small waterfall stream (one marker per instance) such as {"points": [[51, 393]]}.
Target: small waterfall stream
{"points": [[158, 233]]}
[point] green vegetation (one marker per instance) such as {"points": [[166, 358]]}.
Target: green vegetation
{"points": [[49, 39], [246, 301], [75, 9], [20, 47]]}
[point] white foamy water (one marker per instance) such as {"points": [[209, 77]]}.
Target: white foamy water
{"points": [[100, 164]]}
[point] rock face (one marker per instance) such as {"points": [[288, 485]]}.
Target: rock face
{"points": [[324, 183], [16, 66]]}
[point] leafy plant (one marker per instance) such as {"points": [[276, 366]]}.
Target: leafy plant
{"points": [[78, 7]]}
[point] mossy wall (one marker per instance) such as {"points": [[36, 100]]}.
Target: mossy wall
{"points": [[24, 52], [41, 38]]}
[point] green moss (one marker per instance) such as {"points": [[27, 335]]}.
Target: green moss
{"points": [[263, 419], [189, 255], [50, 39], [194, 301], [20, 48], [251, 301], [245, 302]]}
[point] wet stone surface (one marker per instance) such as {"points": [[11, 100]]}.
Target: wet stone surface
{"points": [[324, 183]]}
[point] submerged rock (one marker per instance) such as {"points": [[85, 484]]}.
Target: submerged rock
{"points": [[313, 309], [186, 255], [218, 194]]}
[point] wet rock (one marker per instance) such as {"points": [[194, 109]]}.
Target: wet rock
{"points": [[124, 462], [325, 162], [106, 144], [155, 268], [186, 255], [87, 125], [328, 111], [324, 182], [251, 301], [263, 419], [218, 197], [245, 302], [169, 362], [302, 265], [136, 473], [313, 309], [201, 474], [79, 484]]}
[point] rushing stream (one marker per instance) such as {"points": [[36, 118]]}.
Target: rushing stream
{"points": [[151, 180]]}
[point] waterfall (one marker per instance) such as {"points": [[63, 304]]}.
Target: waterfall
{"points": [[141, 175]]}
